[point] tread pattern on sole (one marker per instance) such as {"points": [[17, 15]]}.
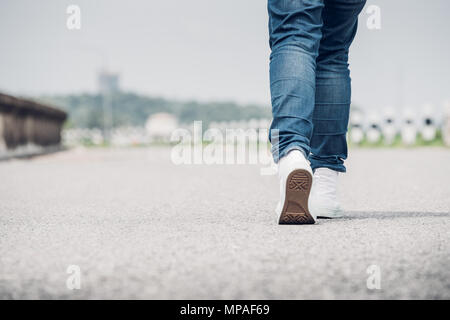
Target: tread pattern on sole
{"points": [[294, 218], [299, 182], [295, 210]]}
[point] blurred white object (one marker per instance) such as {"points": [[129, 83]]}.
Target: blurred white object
{"points": [[428, 130], [242, 124], [160, 126], [223, 125], [357, 135], [233, 125], [409, 130], [373, 131], [389, 127], [356, 130], [97, 136], [79, 136], [253, 124], [128, 136], [446, 123], [264, 124], [213, 125]]}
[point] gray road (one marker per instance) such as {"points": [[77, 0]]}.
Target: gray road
{"points": [[140, 227]]}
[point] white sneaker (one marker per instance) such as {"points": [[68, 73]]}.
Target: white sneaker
{"points": [[324, 202], [296, 177]]}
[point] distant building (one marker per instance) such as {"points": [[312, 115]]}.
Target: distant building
{"points": [[160, 126], [108, 82], [28, 127]]}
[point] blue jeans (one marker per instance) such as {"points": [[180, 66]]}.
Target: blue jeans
{"points": [[310, 79]]}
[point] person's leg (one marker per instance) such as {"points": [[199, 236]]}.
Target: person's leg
{"points": [[333, 89], [294, 27], [332, 104], [295, 33]]}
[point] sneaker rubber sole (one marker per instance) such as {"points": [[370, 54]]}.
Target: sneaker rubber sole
{"points": [[295, 209], [331, 214]]}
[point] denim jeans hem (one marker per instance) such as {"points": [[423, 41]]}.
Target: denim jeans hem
{"points": [[336, 167], [302, 148]]}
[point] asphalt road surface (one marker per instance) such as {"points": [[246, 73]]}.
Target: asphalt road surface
{"points": [[138, 226]]}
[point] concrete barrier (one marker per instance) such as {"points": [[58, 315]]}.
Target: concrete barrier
{"points": [[27, 127]]}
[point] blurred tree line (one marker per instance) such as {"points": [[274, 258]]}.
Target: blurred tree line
{"points": [[130, 109]]}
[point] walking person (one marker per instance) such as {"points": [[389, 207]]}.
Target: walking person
{"points": [[310, 93]]}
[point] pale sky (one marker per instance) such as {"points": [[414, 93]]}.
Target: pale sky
{"points": [[211, 50]]}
